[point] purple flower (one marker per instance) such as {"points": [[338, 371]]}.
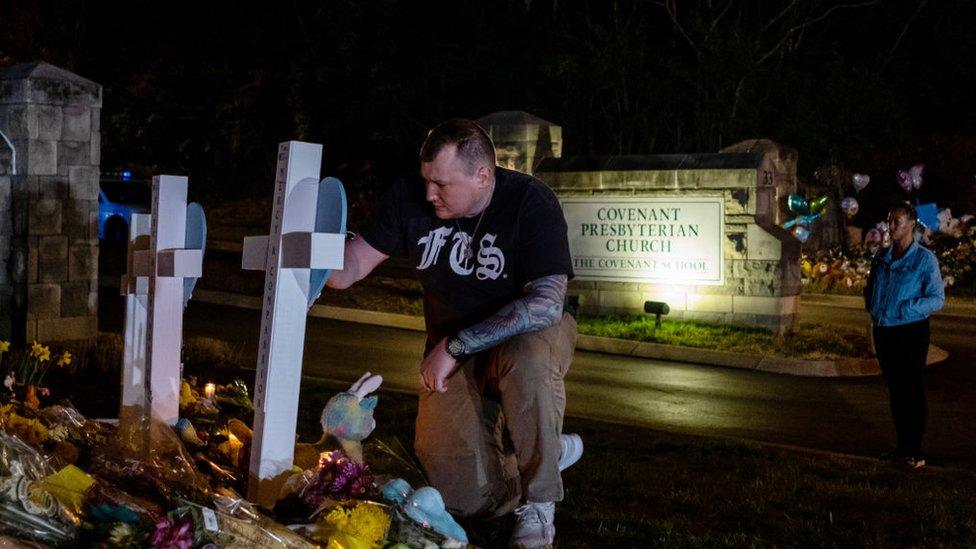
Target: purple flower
{"points": [[338, 478], [173, 534]]}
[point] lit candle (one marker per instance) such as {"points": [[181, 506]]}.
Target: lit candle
{"points": [[233, 448], [209, 389]]}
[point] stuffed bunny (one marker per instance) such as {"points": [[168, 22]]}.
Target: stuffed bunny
{"points": [[347, 419]]}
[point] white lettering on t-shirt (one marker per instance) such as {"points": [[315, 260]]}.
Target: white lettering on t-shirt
{"points": [[461, 262], [491, 260], [433, 243]]}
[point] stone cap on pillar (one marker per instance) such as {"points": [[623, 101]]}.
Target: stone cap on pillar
{"points": [[651, 162], [45, 84], [521, 139], [781, 157]]}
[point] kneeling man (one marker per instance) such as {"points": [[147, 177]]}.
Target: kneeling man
{"points": [[490, 248]]}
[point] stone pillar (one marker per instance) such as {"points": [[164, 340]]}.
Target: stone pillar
{"points": [[49, 232], [6, 239], [522, 140], [761, 260]]}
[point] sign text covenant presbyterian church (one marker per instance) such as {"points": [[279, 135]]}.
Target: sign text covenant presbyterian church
{"points": [[646, 239]]}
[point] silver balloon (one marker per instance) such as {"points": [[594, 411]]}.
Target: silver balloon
{"points": [[849, 206], [860, 181], [801, 233]]}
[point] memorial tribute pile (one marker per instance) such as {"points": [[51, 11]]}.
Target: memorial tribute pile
{"points": [[172, 471]]}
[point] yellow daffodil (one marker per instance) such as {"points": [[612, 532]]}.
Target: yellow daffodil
{"points": [[4, 346], [36, 349], [65, 359], [45, 354]]}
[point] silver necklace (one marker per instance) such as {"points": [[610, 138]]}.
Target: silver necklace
{"points": [[468, 251]]}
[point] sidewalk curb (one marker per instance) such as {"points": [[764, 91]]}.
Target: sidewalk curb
{"points": [[743, 361], [851, 367], [954, 307]]}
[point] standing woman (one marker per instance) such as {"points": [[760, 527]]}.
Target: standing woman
{"points": [[903, 289]]}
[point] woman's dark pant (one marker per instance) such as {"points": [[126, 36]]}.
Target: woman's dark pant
{"points": [[901, 353]]}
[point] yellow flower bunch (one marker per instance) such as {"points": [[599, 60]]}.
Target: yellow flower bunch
{"points": [[4, 347], [35, 364], [40, 352], [30, 430], [363, 525]]}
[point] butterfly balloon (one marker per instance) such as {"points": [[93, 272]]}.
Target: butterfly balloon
{"points": [[912, 179]]}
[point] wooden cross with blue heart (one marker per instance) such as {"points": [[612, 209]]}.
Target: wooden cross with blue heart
{"points": [[307, 239], [165, 259]]}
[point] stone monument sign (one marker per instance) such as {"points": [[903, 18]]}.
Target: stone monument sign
{"points": [[699, 232]]}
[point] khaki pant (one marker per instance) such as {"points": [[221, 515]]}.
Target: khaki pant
{"points": [[492, 439]]}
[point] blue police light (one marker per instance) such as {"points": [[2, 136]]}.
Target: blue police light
{"points": [[126, 175]]}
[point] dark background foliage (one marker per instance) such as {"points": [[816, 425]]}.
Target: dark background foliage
{"points": [[209, 88]]}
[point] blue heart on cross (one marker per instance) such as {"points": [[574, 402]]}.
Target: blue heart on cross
{"points": [[330, 217], [196, 239]]}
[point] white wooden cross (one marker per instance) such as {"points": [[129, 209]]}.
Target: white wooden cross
{"points": [[135, 288], [307, 238], [165, 259]]}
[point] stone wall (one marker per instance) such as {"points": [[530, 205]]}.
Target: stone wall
{"points": [[6, 240], [49, 233], [762, 279]]}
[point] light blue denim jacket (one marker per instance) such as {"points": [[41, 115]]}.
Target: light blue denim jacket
{"points": [[905, 290]]}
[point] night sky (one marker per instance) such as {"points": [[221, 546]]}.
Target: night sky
{"points": [[209, 88]]}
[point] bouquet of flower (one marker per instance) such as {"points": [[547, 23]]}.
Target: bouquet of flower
{"points": [[338, 478]]}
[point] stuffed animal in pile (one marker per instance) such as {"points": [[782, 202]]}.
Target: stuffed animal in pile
{"points": [[347, 419]]}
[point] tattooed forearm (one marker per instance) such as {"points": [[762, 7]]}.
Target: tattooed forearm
{"points": [[540, 307]]}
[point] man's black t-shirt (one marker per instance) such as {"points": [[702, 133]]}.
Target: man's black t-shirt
{"points": [[522, 237]]}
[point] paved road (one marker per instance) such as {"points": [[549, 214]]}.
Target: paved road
{"points": [[846, 415]]}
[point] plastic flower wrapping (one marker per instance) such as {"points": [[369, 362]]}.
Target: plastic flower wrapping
{"points": [[67, 480], [26, 508]]}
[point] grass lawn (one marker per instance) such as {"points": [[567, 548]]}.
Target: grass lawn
{"points": [[638, 488], [811, 341]]}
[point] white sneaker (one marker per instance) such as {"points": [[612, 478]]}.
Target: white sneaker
{"points": [[534, 527], [572, 450]]}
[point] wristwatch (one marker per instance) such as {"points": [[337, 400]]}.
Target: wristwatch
{"points": [[456, 348]]}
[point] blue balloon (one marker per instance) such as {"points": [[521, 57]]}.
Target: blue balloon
{"points": [[802, 220]]}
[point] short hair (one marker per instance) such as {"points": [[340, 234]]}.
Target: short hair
{"points": [[472, 141], [907, 207]]}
